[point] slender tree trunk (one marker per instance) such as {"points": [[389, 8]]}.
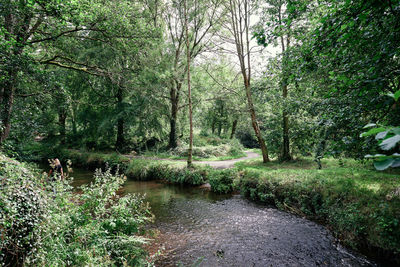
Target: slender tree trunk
{"points": [[254, 123], [174, 96], [62, 117], [285, 151], [7, 98], [73, 117], [234, 124], [120, 122], [213, 126], [120, 134], [240, 21], [190, 150]]}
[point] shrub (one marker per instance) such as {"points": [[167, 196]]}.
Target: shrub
{"points": [[221, 181], [57, 227], [22, 205], [146, 170]]}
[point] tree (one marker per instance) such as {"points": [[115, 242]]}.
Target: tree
{"points": [[239, 26], [352, 55], [203, 20], [281, 23], [190, 150], [55, 34]]}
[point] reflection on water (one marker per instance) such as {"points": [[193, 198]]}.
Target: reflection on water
{"points": [[160, 195]]}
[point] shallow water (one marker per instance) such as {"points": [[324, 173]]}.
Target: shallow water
{"points": [[196, 225]]}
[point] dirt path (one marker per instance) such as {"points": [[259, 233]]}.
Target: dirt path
{"points": [[220, 164], [224, 164]]}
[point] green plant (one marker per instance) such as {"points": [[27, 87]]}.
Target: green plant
{"points": [[47, 223], [221, 181], [23, 205], [388, 138]]}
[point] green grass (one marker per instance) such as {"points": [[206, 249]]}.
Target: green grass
{"points": [[165, 155], [359, 204]]}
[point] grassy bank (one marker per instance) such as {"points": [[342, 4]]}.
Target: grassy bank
{"points": [[361, 206]]}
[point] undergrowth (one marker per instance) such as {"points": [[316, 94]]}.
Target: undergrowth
{"points": [[45, 223]]}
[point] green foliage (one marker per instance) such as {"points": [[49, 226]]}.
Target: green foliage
{"points": [[360, 206], [96, 226], [23, 205], [57, 227], [388, 139], [178, 174], [222, 181]]}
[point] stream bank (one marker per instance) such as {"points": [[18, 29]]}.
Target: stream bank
{"points": [[227, 230], [344, 199]]}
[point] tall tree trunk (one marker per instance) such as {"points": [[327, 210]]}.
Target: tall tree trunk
{"points": [[219, 128], [234, 124], [213, 126], [285, 150], [254, 123], [73, 117], [285, 153], [240, 21], [120, 122], [190, 150], [62, 116], [7, 98], [120, 134], [174, 97]]}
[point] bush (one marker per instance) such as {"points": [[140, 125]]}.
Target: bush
{"points": [[146, 170], [95, 227], [22, 205], [222, 181], [53, 226]]}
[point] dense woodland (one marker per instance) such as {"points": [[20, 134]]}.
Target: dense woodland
{"points": [[294, 79], [303, 77]]}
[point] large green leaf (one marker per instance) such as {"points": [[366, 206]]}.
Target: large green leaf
{"points": [[396, 163], [369, 125], [396, 95], [373, 131], [381, 135], [390, 143], [383, 164]]}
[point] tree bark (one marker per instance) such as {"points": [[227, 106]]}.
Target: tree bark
{"points": [[174, 97], [120, 122], [285, 151], [7, 105], [73, 118], [62, 116], [234, 124], [254, 123], [190, 150]]}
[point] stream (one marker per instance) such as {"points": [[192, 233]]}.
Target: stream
{"points": [[199, 227]]}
